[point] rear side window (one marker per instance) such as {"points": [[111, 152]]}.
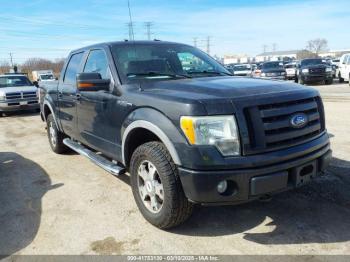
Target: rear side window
{"points": [[97, 63], [72, 68]]}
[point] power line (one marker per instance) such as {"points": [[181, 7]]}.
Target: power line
{"points": [[264, 48], [11, 60], [274, 47], [195, 41], [208, 45], [131, 27], [148, 26]]}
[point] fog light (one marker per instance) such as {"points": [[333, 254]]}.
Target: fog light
{"points": [[222, 187]]}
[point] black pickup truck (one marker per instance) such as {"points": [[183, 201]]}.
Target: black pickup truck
{"points": [[185, 129], [313, 70]]}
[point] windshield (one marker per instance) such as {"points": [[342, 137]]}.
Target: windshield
{"points": [[307, 62], [290, 66], [272, 65], [46, 77], [163, 61], [10, 81], [241, 68]]}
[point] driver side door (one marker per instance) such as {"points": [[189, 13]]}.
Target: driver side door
{"points": [[97, 111]]}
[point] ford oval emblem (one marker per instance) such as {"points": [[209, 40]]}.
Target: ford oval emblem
{"points": [[299, 120]]}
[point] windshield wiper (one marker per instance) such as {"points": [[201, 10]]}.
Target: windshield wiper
{"points": [[158, 74], [209, 73]]}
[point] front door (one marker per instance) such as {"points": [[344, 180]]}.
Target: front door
{"points": [[67, 96], [97, 111]]}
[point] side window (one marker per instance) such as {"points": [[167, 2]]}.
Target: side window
{"points": [[348, 60], [97, 63], [191, 62], [72, 68]]}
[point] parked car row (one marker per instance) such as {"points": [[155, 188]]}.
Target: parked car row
{"points": [[305, 71]]}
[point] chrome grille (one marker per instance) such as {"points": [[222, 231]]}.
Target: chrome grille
{"points": [[269, 125]]}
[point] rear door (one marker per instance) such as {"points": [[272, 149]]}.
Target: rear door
{"points": [[67, 95]]}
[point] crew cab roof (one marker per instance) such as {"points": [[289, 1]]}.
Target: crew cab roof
{"points": [[126, 42]]}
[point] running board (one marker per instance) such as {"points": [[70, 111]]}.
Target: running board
{"points": [[99, 160]]}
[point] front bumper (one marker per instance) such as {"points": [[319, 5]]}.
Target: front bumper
{"points": [[10, 106], [251, 183], [274, 77], [317, 78]]}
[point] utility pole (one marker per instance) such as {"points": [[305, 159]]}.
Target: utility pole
{"points": [[11, 59], [208, 45], [131, 30], [195, 41], [130, 24], [274, 47], [264, 48], [148, 26]]}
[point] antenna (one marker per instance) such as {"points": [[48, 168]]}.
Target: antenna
{"points": [[131, 26], [11, 59]]}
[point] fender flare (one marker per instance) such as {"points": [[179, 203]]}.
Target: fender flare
{"points": [[48, 104], [157, 131]]}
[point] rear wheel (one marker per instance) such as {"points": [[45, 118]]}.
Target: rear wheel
{"points": [[157, 188], [329, 82], [55, 136]]}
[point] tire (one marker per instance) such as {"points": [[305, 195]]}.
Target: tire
{"points": [[58, 147], [341, 80], [175, 208], [301, 81], [329, 82]]}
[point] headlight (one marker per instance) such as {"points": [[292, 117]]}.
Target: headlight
{"points": [[263, 74], [220, 131], [305, 70], [328, 69], [2, 97]]}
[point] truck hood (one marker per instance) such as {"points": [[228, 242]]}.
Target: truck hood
{"points": [[15, 89], [219, 88]]}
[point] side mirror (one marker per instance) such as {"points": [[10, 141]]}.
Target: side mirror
{"points": [[90, 82], [35, 83]]}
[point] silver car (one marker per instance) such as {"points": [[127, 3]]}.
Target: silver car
{"points": [[17, 93]]}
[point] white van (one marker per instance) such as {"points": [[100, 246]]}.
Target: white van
{"points": [[344, 68]]}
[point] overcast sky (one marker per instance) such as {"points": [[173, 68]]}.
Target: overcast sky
{"points": [[48, 28]]}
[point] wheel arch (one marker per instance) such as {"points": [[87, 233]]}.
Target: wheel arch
{"points": [[148, 130], [48, 109]]}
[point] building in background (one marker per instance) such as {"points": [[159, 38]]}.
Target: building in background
{"points": [[277, 56]]}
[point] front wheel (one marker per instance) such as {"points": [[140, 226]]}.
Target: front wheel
{"points": [[301, 81], [157, 188]]}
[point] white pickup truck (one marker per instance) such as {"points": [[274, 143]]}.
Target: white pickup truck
{"points": [[43, 75], [17, 93]]}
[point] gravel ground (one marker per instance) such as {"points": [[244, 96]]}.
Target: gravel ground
{"points": [[64, 204]]}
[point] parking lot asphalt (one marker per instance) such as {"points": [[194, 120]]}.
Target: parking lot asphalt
{"points": [[64, 204]]}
